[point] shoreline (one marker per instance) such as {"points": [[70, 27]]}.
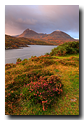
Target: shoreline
{"points": [[9, 48]]}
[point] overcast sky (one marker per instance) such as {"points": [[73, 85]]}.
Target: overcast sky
{"points": [[42, 19]]}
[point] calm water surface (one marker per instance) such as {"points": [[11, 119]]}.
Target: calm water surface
{"points": [[26, 52]]}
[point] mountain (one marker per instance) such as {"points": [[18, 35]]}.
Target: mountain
{"points": [[60, 35], [55, 35], [28, 33]]}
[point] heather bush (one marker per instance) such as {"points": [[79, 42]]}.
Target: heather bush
{"points": [[44, 59], [24, 79], [11, 65], [44, 91], [68, 63]]}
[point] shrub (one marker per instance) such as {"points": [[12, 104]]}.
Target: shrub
{"points": [[19, 60], [47, 54], [66, 48], [24, 61], [24, 79], [47, 62], [11, 65], [45, 90], [44, 59]]}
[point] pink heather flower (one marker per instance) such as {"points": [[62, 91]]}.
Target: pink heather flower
{"points": [[61, 90], [60, 85], [45, 88], [50, 81], [44, 84], [44, 101], [56, 88], [34, 83], [31, 89]]}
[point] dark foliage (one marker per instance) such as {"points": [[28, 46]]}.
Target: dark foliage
{"points": [[66, 49]]}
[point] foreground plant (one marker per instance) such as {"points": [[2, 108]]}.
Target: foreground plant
{"points": [[44, 91]]}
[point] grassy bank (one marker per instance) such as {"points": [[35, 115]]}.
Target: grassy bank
{"points": [[60, 75]]}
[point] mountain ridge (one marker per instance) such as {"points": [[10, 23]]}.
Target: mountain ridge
{"points": [[55, 35]]}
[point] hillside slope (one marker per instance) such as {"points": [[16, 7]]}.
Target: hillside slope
{"points": [[44, 85], [28, 72], [14, 42]]}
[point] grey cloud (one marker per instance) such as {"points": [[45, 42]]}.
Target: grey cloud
{"points": [[26, 21], [62, 17], [42, 18]]}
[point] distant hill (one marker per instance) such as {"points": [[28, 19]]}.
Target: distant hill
{"points": [[59, 35], [14, 42], [55, 35], [28, 33]]}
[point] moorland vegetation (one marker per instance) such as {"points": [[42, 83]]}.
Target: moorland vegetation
{"points": [[44, 85]]}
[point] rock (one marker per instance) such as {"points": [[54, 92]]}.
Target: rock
{"points": [[73, 100]]}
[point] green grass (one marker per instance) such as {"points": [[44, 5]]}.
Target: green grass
{"points": [[20, 74]]}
